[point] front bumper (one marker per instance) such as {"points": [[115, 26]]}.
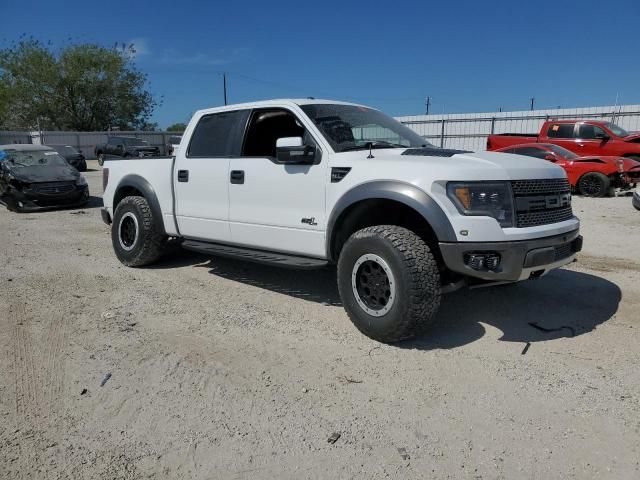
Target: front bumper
{"points": [[520, 260], [28, 200]]}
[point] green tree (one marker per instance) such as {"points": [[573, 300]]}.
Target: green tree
{"points": [[177, 127], [80, 87]]}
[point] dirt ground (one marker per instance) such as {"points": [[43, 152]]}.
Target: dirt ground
{"points": [[223, 369]]}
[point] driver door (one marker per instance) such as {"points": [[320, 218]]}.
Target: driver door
{"points": [[273, 206]]}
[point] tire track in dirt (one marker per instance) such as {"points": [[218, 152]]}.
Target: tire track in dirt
{"points": [[27, 392], [28, 395], [53, 368]]}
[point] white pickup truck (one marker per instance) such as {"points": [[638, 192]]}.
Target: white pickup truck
{"points": [[307, 183]]}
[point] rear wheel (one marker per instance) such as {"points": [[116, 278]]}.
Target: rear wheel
{"points": [[594, 184], [389, 282], [135, 233], [101, 159]]}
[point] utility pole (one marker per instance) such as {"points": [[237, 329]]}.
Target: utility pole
{"points": [[427, 103], [224, 83], [533, 99]]}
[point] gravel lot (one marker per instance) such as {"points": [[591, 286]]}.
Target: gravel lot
{"points": [[222, 369]]}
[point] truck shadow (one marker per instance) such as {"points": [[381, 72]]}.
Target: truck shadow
{"points": [[562, 304]]}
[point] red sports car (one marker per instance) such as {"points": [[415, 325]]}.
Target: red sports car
{"points": [[590, 176]]}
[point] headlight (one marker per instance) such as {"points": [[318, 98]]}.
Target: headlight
{"points": [[487, 199], [81, 181]]}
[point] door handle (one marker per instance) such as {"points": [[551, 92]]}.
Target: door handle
{"points": [[183, 175], [237, 176], [581, 144]]}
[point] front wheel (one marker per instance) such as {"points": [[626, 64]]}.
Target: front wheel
{"points": [[135, 233], [389, 282], [594, 184]]}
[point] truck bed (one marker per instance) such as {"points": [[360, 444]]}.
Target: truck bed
{"points": [[156, 171], [502, 140]]}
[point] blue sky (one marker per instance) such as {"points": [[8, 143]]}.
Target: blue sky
{"points": [[467, 55]]}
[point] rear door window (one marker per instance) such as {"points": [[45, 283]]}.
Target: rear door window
{"points": [[561, 130], [218, 135]]}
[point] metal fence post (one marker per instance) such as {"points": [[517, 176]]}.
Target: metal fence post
{"points": [[493, 125], [442, 134]]}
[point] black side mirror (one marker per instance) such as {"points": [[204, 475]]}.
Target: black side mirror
{"points": [[602, 136], [291, 151]]}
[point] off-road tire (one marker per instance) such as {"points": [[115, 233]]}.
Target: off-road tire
{"points": [[101, 159], [417, 282], [150, 242], [594, 184]]}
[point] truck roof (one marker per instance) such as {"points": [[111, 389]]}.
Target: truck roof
{"points": [[279, 102], [595, 122]]}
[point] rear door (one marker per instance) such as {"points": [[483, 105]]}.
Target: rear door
{"points": [[201, 175], [274, 206], [591, 140], [562, 134]]}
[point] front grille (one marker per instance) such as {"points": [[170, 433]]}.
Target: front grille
{"points": [[563, 251], [545, 217], [541, 202], [53, 188], [540, 187]]}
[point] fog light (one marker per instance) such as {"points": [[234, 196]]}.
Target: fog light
{"points": [[492, 261], [482, 261]]}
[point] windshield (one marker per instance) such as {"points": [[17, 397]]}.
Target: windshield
{"points": [[616, 130], [64, 149], [134, 142], [563, 152], [349, 127], [33, 158]]}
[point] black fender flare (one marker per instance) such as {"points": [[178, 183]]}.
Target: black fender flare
{"points": [[143, 186], [402, 192]]}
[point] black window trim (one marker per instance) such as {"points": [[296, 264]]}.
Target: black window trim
{"points": [[319, 151], [187, 154]]}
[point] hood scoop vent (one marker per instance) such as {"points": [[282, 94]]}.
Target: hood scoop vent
{"points": [[338, 173], [433, 152]]}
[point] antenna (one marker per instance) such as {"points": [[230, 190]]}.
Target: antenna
{"points": [[224, 86]]}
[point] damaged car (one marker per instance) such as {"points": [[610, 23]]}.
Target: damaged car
{"points": [[36, 177]]}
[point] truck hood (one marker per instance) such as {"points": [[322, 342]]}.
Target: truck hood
{"points": [[455, 166], [633, 138], [36, 174]]}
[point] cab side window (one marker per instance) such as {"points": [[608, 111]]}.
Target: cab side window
{"points": [[561, 130], [266, 127], [590, 132], [218, 135]]}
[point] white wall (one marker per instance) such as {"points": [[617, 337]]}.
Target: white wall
{"points": [[469, 131]]}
